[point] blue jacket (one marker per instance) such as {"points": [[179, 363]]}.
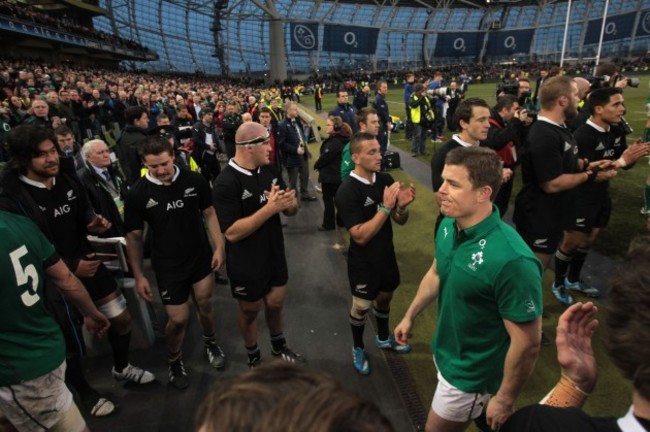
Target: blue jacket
{"points": [[348, 113], [288, 142]]}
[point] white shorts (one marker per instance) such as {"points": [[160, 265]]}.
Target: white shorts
{"points": [[44, 403], [455, 405]]}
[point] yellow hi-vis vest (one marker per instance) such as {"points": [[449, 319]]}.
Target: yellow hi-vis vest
{"points": [[416, 113]]}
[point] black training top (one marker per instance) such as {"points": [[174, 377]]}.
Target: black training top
{"points": [[239, 193], [174, 214]]}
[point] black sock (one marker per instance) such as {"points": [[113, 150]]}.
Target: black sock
{"points": [[382, 323], [253, 353], [579, 257], [357, 326], [172, 357], [562, 261], [74, 376], [278, 342], [210, 340], [120, 345]]}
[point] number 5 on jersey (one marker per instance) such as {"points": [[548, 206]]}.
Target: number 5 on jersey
{"points": [[29, 297]]}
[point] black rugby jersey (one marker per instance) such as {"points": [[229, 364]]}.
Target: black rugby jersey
{"points": [[67, 212], [239, 193], [595, 143], [174, 214], [549, 152], [357, 202]]}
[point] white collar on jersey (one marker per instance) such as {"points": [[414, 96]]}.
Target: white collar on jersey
{"points": [[629, 423], [595, 126], [461, 142], [362, 180], [158, 182], [548, 120], [35, 183], [242, 170]]}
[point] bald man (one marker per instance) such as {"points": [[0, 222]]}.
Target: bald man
{"points": [[249, 196], [584, 87]]}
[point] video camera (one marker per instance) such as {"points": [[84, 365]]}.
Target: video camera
{"points": [[606, 81], [440, 92], [508, 86]]}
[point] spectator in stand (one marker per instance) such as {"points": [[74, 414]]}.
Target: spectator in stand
{"points": [[231, 121], [40, 114], [68, 146], [204, 137], [128, 146]]}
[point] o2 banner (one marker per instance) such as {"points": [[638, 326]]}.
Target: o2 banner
{"points": [[352, 40], [510, 42], [304, 36], [458, 44], [616, 27], [644, 24]]}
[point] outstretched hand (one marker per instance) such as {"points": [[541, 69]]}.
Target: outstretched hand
{"points": [[575, 329]]}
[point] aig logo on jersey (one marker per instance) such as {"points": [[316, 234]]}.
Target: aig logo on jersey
{"points": [[174, 205], [64, 209]]}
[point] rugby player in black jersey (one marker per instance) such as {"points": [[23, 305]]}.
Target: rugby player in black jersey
{"points": [[249, 196], [177, 206], [599, 139], [367, 202]]}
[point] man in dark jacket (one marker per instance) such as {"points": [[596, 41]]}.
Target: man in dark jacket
{"points": [[344, 110], [295, 151], [204, 137], [105, 186], [385, 122], [507, 128], [128, 146], [231, 121]]}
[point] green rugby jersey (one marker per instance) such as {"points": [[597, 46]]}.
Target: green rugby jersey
{"points": [[487, 274]]}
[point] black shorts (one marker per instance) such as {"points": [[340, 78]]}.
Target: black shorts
{"points": [[101, 284], [174, 287], [254, 290], [591, 213], [544, 243], [368, 279]]}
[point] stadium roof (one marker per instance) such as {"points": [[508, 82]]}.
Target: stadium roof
{"points": [[438, 4]]}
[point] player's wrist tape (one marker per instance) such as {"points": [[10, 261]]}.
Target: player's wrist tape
{"points": [[565, 394], [621, 162], [385, 210], [594, 173]]}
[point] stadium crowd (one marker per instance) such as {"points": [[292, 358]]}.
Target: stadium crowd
{"points": [[25, 13]]}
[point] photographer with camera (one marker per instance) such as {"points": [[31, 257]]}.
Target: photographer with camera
{"points": [[525, 99], [435, 90], [507, 130], [453, 96], [422, 117]]}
